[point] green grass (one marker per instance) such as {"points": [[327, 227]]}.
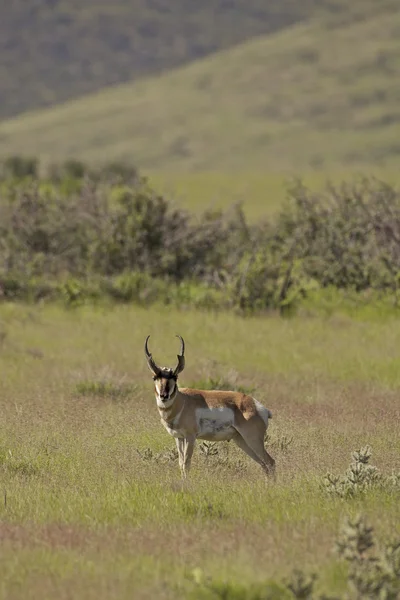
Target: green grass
{"points": [[91, 501], [261, 193], [319, 95]]}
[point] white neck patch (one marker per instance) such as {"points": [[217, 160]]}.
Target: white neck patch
{"points": [[167, 403]]}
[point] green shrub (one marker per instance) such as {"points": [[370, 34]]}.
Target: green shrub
{"points": [[347, 236], [19, 167], [372, 574], [359, 478], [107, 225], [205, 588]]}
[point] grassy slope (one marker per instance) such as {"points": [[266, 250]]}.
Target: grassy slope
{"points": [[322, 94], [52, 50], [86, 517]]}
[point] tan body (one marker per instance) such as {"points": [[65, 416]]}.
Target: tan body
{"points": [[213, 415], [216, 416]]}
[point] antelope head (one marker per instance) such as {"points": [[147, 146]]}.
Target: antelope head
{"points": [[165, 379]]}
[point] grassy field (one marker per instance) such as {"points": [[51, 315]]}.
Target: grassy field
{"points": [[321, 94], [92, 505], [261, 193]]}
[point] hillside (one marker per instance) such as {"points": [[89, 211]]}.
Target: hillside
{"points": [[319, 94], [55, 50]]}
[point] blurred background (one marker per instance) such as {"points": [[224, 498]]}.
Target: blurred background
{"points": [[175, 86]]}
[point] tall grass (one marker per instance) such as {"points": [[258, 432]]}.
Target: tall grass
{"points": [[91, 498]]}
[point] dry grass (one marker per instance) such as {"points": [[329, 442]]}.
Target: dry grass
{"points": [[83, 514]]}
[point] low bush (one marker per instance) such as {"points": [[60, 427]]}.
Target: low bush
{"points": [[83, 234], [360, 477]]}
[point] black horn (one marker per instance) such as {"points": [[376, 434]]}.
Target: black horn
{"points": [[150, 361], [181, 358]]}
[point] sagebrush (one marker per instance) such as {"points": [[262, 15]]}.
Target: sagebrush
{"points": [[84, 234]]}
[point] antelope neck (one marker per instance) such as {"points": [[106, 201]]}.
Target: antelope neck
{"points": [[169, 414]]}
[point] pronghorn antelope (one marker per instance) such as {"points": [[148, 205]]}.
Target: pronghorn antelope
{"points": [[211, 415]]}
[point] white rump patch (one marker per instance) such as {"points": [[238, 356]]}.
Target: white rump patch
{"points": [[215, 423], [264, 412]]}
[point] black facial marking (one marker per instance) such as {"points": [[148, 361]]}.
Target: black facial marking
{"points": [[164, 390], [165, 375], [164, 386]]}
